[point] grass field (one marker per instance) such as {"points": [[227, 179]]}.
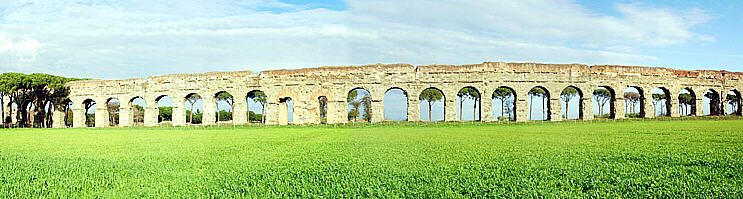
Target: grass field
{"points": [[652, 159]]}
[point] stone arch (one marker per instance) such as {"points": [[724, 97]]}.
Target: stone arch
{"points": [[67, 107], [259, 105], [732, 102], [428, 106], [634, 102], [544, 94], [603, 101], [227, 102], [661, 99], [359, 104], [194, 115], [14, 113], [89, 106], [164, 106], [320, 109], [687, 102], [113, 106], [712, 104], [286, 110], [390, 100], [505, 97], [286, 100], [138, 107], [571, 96]]}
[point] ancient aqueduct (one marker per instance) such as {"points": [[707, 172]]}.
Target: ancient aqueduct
{"points": [[305, 86]]}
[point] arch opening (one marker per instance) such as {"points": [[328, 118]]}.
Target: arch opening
{"points": [[603, 102], [711, 103], [164, 109], [432, 103], [138, 106], [256, 101], [468, 97], [571, 99], [194, 108], [286, 117], [225, 106], [504, 104], [67, 107], [396, 105], [661, 102], [48, 114], [359, 105], [687, 102], [112, 109], [90, 107], [542, 110], [13, 114], [732, 103], [322, 101], [634, 102], [2, 108], [24, 114]]}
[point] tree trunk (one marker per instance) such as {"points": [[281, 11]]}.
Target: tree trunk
{"points": [[190, 120], [263, 114], [531, 104], [567, 108], [502, 108], [429, 111]]}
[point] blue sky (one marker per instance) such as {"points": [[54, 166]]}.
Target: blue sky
{"points": [[139, 38]]}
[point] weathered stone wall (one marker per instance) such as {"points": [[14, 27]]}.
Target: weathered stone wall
{"points": [[305, 86]]}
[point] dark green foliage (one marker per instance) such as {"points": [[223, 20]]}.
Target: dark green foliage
{"points": [[224, 115], [197, 115], [253, 117], [165, 114], [90, 120], [37, 89]]}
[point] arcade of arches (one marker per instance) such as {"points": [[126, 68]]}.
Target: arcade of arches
{"points": [[483, 92]]}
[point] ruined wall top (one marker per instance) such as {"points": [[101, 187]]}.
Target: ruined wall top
{"points": [[497, 67]]}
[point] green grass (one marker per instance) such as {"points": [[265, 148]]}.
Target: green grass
{"points": [[625, 159]]}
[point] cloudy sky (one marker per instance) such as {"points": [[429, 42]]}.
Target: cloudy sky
{"points": [[127, 39]]}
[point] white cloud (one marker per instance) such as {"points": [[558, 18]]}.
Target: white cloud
{"points": [[28, 45], [138, 38], [16, 54]]}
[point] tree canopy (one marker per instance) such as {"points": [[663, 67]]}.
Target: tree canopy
{"points": [[431, 95], [36, 89], [602, 96], [502, 94]]}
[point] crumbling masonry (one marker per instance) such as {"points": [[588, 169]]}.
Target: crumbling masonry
{"points": [[305, 86]]}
